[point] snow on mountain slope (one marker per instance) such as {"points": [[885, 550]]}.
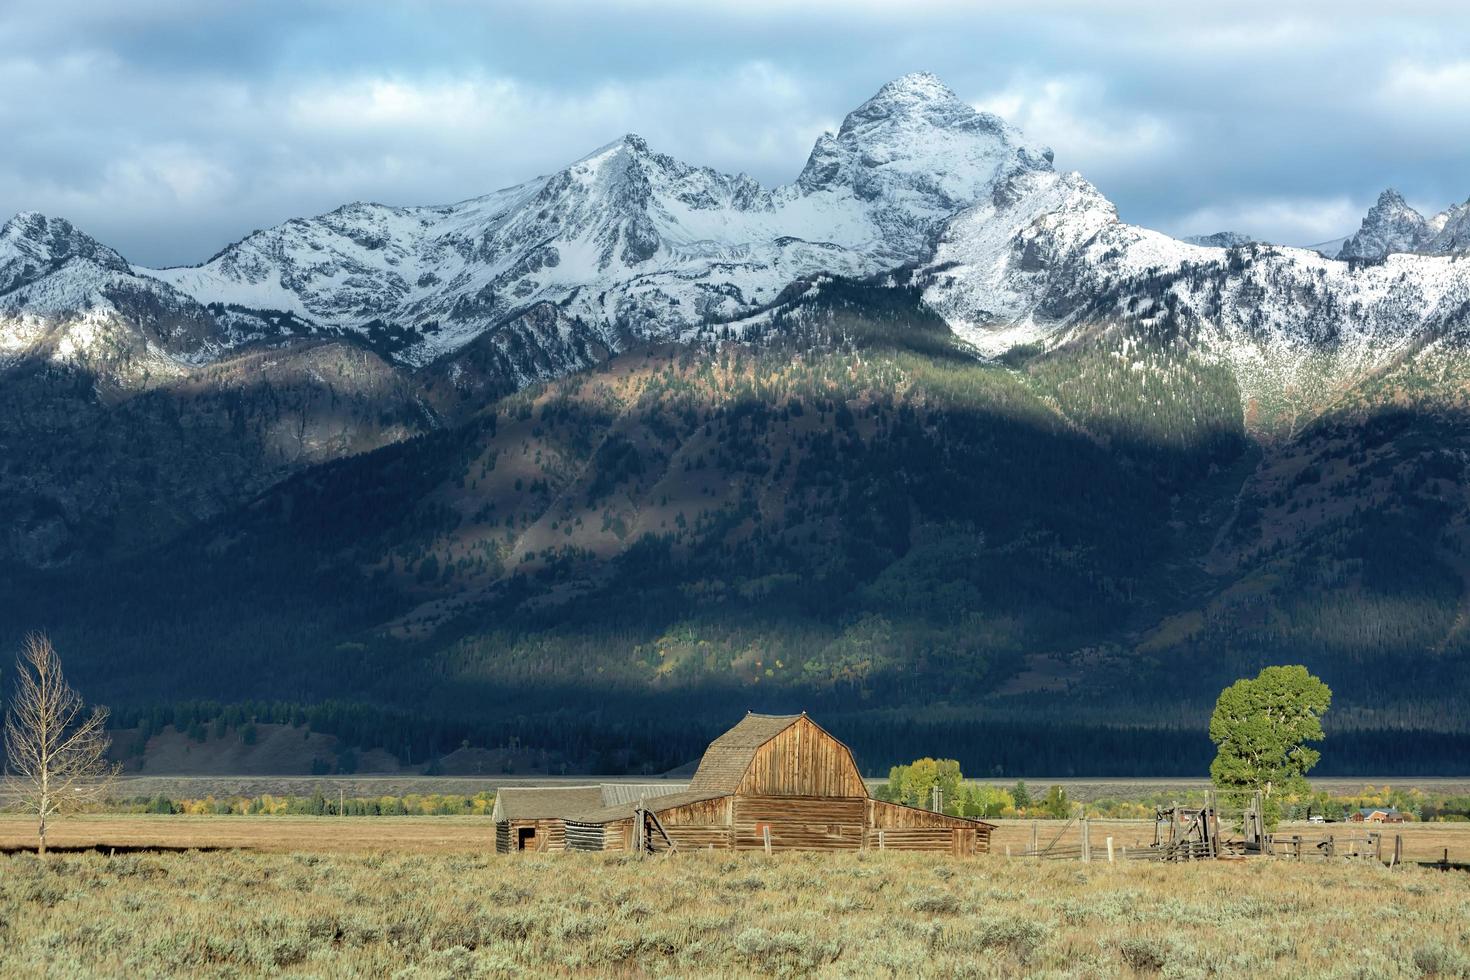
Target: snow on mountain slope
{"points": [[630, 241], [65, 296], [1391, 225], [1220, 239], [1048, 256], [1453, 235]]}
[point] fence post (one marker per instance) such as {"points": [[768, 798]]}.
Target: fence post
{"points": [[766, 837], [1086, 842], [880, 840], [1110, 850], [1035, 841], [1398, 850]]}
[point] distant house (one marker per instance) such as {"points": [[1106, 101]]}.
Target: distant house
{"points": [[777, 782], [1376, 814], [533, 818]]}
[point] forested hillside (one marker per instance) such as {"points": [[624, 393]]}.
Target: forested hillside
{"points": [[1051, 562]]}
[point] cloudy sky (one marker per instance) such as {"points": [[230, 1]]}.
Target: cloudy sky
{"points": [[168, 132]]}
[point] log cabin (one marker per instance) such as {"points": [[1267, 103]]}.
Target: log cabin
{"points": [[774, 783], [533, 818]]}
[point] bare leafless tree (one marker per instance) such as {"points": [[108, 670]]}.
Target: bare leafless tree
{"points": [[56, 752]]}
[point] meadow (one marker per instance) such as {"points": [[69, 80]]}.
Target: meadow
{"points": [[420, 897], [110, 832]]}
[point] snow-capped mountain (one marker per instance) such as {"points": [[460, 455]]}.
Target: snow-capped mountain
{"points": [[628, 240], [66, 295], [1391, 225], [549, 276], [1047, 256]]}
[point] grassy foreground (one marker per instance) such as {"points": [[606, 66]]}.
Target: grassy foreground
{"points": [[704, 914]]}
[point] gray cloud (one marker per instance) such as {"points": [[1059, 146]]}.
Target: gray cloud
{"points": [[170, 128]]}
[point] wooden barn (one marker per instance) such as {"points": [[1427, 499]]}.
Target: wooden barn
{"points": [[773, 782], [531, 818]]}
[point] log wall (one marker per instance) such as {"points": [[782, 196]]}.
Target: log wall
{"points": [[585, 837], [550, 835], [909, 828], [947, 840], [798, 822], [706, 813], [695, 838]]}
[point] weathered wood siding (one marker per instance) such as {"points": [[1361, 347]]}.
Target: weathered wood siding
{"points": [[803, 760], [798, 822], [947, 840], [695, 839], [551, 835], [585, 837], [618, 835], [705, 813], [911, 829]]}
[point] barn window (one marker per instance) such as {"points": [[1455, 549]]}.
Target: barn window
{"points": [[525, 836]]}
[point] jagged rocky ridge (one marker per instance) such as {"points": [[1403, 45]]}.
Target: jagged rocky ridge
{"points": [[1392, 226], [628, 244], [460, 304]]}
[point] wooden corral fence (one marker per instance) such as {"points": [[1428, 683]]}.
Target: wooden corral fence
{"points": [[1052, 846], [1180, 834], [1300, 846]]}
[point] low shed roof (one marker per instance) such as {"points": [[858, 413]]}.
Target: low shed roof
{"points": [[552, 802], [543, 802], [622, 811], [728, 756]]}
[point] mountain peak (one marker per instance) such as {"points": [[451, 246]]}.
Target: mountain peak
{"points": [[32, 243], [31, 224], [916, 86], [1391, 198], [1391, 225], [922, 151], [919, 99]]}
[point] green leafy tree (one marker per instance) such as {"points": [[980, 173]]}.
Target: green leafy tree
{"points": [[1021, 795], [1056, 804], [1262, 726], [987, 801], [914, 783]]}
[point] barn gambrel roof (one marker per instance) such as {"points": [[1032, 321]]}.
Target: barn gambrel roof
{"points": [[729, 756]]}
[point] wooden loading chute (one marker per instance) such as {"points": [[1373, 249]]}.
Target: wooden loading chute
{"points": [[649, 834], [1185, 833]]}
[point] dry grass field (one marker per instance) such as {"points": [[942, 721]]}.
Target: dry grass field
{"points": [[1422, 841], [435, 914], [473, 835], [424, 897], [326, 835]]}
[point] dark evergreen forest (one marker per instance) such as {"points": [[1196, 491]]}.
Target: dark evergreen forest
{"points": [[1046, 566]]}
